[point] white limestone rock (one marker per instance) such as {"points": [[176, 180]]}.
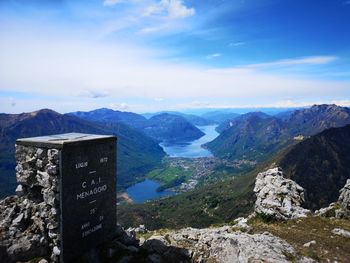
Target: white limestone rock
{"points": [[341, 232], [327, 211], [19, 190], [341, 208], [344, 201], [309, 244], [278, 197], [242, 223], [226, 245]]}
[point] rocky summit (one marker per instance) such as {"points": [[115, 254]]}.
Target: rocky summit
{"points": [[225, 244], [344, 201], [27, 232], [277, 196]]}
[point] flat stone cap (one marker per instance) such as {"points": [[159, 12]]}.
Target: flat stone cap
{"points": [[58, 140]]}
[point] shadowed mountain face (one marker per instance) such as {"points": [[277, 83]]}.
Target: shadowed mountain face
{"points": [[258, 138], [320, 164], [137, 153], [250, 138], [164, 126]]}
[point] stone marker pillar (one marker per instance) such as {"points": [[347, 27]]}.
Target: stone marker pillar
{"points": [[72, 179]]}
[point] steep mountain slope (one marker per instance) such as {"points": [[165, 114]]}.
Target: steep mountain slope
{"points": [[112, 116], [320, 164], [171, 127], [137, 153], [237, 120], [257, 138], [284, 115], [318, 118], [250, 138]]}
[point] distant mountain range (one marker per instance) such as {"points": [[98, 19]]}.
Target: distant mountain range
{"points": [[219, 116], [137, 153], [107, 115], [193, 119], [258, 137], [161, 127]]}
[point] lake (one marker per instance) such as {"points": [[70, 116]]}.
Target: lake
{"points": [[192, 149], [147, 190]]}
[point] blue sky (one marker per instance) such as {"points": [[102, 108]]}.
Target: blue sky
{"points": [[150, 55]]}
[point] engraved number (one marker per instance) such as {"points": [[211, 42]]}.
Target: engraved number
{"points": [[92, 211]]}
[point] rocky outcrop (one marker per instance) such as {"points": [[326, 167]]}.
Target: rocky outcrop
{"points": [[29, 222], [340, 209], [278, 197], [328, 211], [344, 202], [226, 245]]}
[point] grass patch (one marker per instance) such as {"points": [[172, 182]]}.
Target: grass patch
{"points": [[265, 218], [169, 176], [300, 231]]}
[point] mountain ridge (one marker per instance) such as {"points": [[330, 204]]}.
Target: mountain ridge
{"points": [[137, 153], [164, 126], [260, 138]]}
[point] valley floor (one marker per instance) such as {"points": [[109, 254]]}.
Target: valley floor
{"points": [[181, 175]]}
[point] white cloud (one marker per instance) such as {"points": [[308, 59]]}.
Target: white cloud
{"points": [[93, 93], [170, 8], [215, 55], [118, 106], [158, 99], [312, 60], [76, 71]]}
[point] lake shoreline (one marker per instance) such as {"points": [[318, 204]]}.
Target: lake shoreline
{"points": [[149, 188]]}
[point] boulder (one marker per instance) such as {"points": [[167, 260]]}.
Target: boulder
{"points": [[341, 232], [278, 197], [155, 244], [344, 202], [327, 211]]}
